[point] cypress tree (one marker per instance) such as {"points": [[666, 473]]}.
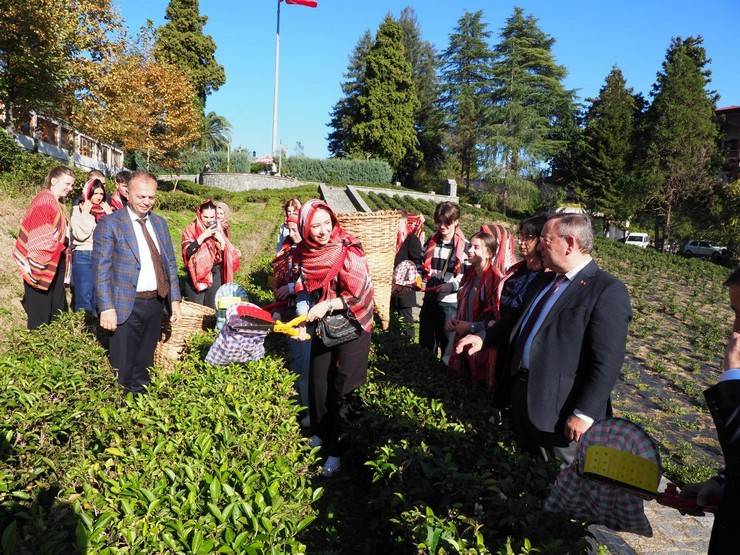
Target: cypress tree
{"points": [[181, 42], [681, 155], [530, 103], [387, 103], [428, 119], [605, 168], [465, 81], [345, 113]]}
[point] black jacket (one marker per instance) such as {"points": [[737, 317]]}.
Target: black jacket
{"points": [[577, 354], [410, 250]]}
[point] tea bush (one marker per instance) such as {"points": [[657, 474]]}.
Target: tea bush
{"points": [[338, 170], [211, 459]]}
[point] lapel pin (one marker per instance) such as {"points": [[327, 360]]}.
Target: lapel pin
{"points": [[583, 283]]}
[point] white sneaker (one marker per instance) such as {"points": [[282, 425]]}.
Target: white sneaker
{"points": [[315, 441], [331, 466], [305, 422]]}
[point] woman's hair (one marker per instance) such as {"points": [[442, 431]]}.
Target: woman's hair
{"points": [[446, 213], [55, 172], [488, 240], [532, 226], [291, 202], [207, 205]]}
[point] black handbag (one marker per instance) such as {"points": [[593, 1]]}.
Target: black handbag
{"points": [[335, 329]]}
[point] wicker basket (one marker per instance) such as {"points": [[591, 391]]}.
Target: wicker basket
{"points": [[377, 231], [173, 337]]}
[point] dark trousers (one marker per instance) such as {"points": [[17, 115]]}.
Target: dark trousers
{"points": [[432, 334], [133, 343], [42, 306], [207, 297], [548, 445], [407, 320], [333, 376]]}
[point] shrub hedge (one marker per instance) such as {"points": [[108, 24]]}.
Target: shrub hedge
{"points": [[211, 459], [335, 170]]}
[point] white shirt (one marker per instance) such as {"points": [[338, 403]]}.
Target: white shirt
{"points": [[147, 278]]}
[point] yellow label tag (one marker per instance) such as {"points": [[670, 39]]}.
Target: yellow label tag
{"points": [[226, 302], [626, 468]]}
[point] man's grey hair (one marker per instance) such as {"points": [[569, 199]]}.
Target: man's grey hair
{"points": [[142, 175], [577, 225]]}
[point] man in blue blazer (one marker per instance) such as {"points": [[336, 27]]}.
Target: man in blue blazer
{"points": [[135, 275], [565, 347]]}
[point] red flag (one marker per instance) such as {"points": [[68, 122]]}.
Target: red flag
{"points": [[308, 3]]}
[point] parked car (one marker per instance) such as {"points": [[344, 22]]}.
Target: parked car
{"points": [[641, 240], [703, 248]]}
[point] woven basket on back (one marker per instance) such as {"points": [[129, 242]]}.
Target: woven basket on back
{"points": [[173, 337], [377, 232]]}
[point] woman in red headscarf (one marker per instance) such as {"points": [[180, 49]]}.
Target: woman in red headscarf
{"points": [[85, 217], [333, 269], [210, 258], [491, 255]]}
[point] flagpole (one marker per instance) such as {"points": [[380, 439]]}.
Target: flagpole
{"points": [[277, 82]]}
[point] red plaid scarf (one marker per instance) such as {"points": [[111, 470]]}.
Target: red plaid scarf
{"points": [[335, 268], [200, 265], [458, 241], [116, 202]]}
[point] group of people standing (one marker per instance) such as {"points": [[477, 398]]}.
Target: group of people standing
{"points": [[546, 332], [118, 258]]}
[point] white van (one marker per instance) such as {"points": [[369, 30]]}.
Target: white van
{"points": [[637, 239]]}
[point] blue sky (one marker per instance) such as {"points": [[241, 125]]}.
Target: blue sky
{"points": [[591, 36]]}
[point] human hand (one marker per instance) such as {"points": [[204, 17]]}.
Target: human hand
{"points": [[317, 311], [208, 232], [732, 352], [109, 320], [462, 327], [87, 206], [303, 334], [282, 292], [472, 343], [575, 427], [106, 207], [707, 494], [176, 312]]}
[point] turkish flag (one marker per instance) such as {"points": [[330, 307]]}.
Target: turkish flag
{"points": [[308, 3]]}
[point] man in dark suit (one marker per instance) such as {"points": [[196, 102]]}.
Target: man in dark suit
{"points": [[135, 275], [565, 345], [722, 492]]}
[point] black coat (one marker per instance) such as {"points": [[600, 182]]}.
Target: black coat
{"points": [[723, 401], [577, 354], [410, 250]]}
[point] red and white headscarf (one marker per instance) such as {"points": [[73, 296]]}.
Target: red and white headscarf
{"points": [[200, 265], [408, 225], [336, 268]]}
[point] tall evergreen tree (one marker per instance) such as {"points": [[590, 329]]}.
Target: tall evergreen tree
{"points": [[465, 81], [387, 103], [530, 104], [181, 42], [681, 154], [429, 118], [606, 167], [345, 114]]}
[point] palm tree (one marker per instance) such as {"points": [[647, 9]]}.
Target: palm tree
{"points": [[216, 133]]}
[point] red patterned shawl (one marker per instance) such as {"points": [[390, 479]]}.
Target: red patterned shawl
{"points": [[41, 240], [458, 241], [410, 224], [200, 265], [337, 268]]}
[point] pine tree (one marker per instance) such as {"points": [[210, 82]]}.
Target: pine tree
{"points": [[530, 103], [429, 118], [387, 103], [181, 42], [345, 115], [465, 82], [605, 175], [680, 158]]}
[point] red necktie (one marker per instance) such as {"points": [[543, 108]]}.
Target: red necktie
{"points": [[529, 324]]}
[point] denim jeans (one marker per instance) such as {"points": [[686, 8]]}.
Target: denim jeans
{"points": [[82, 279], [300, 352]]}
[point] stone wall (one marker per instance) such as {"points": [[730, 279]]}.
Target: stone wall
{"points": [[247, 181]]}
